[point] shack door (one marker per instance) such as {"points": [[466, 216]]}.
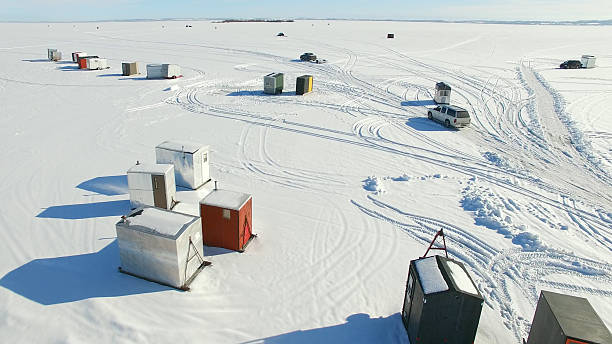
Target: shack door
{"points": [[159, 191]]}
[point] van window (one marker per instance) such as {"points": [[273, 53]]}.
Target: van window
{"points": [[451, 112], [463, 114]]}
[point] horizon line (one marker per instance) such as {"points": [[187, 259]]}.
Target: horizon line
{"points": [[467, 21]]}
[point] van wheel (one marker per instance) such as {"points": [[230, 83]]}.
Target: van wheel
{"points": [[429, 115], [447, 123]]}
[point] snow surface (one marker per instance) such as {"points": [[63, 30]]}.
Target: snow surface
{"points": [[430, 275], [461, 278], [159, 221], [524, 194]]}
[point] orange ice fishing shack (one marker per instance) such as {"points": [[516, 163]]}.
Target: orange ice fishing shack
{"points": [[227, 219]]}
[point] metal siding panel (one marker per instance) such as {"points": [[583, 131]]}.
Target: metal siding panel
{"points": [[544, 328], [147, 255], [139, 181]]}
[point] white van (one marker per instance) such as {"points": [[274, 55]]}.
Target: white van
{"points": [[450, 115]]}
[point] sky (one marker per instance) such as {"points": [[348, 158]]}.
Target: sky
{"points": [[73, 10]]}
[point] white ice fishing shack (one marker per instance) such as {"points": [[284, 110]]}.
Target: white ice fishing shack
{"points": [[161, 246], [588, 61], [152, 185], [163, 71], [97, 63], [190, 160]]}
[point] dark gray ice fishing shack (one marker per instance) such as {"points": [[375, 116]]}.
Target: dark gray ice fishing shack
{"points": [[442, 303], [565, 319]]}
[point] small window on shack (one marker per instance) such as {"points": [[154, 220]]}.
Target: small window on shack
{"points": [[204, 157], [226, 214]]}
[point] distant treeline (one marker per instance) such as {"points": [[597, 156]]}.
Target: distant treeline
{"points": [[255, 21]]}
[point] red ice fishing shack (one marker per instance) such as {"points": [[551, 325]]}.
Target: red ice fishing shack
{"points": [[227, 219]]}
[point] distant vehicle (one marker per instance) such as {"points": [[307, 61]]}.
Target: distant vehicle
{"points": [[319, 61], [280, 34], [450, 115], [308, 57], [571, 64]]}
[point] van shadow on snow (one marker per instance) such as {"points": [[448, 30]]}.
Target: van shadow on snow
{"points": [[358, 328], [425, 124], [419, 103], [86, 210], [51, 281], [108, 185]]}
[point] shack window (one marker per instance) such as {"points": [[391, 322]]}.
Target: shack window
{"points": [[226, 214], [408, 298], [204, 157]]}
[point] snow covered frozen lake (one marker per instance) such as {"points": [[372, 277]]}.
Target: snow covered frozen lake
{"points": [[349, 182]]}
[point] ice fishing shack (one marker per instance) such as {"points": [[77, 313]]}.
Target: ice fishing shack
{"points": [[51, 53], [443, 92], [82, 61], [441, 303], [227, 219], [163, 71], [273, 83], [588, 61], [303, 85], [152, 185], [129, 68], [77, 54], [565, 319], [190, 160], [96, 63], [161, 246]]}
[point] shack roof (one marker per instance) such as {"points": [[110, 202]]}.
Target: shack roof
{"points": [[182, 146], [151, 168], [430, 276], [158, 221], [577, 317], [438, 274], [226, 199]]}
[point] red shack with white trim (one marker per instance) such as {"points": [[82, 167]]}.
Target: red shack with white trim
{"points": [[227, 219]]}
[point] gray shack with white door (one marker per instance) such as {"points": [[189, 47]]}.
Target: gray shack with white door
{"points": [[442, 303], [161, 246]]}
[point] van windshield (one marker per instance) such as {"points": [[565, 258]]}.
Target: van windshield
{"points": [[463, 114]]}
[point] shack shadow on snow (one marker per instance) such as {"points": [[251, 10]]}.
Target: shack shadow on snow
{"points": [[258, 93], [138, 78], [419, 103], [358, 328], [108, 185], [68, 68], [86, 210], [210, 251], [36, 60], [51, 281], [108, 75], [425, 124]]}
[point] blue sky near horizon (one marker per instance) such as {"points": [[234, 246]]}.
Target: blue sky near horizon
{"points": [[76, 10]]}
